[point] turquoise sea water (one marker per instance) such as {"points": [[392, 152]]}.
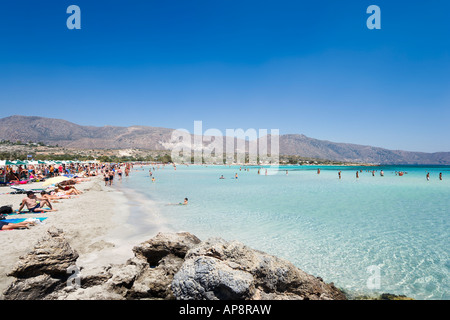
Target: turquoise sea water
{"points": [[368, 235]]}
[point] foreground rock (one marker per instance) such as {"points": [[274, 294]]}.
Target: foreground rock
{"points": [[216, 269], [44, 269], [168, 266]]}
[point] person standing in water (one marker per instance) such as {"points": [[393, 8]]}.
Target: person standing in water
{"points": [[428, 176], [440, 175], [382, 173], [111, 177], [339, 174], [357, 174]]}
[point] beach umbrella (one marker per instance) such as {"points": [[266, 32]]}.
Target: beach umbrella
{"points": [[7, 163], [54, 180]]}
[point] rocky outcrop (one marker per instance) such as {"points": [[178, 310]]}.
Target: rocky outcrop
{"points": [[216, 269], [168, 266], [44, 269]]}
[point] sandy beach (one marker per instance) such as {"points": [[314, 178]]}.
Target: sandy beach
{"points": [[94, 223]]}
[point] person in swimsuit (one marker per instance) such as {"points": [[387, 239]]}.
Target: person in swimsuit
{"points": [[35, 204], [111, 177], [106, 178], [10, 226]]}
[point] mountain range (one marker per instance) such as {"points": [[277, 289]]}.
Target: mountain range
{"points": [[71, 135]]}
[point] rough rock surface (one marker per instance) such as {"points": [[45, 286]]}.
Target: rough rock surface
{"points": [[44, 269], [216, 269], [51, 255], [168, 266]]}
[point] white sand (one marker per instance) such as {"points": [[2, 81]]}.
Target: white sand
{"points": [[94, 223]]}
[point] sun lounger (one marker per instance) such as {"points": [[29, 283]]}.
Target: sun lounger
{"points": [[22, 190]]}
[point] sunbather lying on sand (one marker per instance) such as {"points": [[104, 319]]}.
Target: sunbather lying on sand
{"points": [[51, 196], [10, 226], [69, 192]]}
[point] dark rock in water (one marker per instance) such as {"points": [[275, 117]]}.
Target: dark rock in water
{"points": [[388, 296], [168, 266], [383, 296]]}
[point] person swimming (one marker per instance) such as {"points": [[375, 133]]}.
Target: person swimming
{"points": [[222, 177], [185, 202]]}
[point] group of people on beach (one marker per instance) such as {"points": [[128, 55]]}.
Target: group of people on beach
{"points": [[109, 172], [42, 202], [29, 173]]}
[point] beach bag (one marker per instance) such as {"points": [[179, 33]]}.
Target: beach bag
{"points": [[6, 209]]}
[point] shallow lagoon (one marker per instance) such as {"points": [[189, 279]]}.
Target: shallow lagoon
{"points": [[347, 231]]}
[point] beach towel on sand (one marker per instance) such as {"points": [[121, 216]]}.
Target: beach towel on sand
{"points": [[22, 220], [26, 212]]}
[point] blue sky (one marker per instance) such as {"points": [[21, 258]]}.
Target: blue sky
{"points": [[307, 67]]}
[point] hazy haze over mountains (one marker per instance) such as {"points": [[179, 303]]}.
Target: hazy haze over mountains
{"points": [[67, 134]]}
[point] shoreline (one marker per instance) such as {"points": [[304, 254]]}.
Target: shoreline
{"points": [[95, 224]]}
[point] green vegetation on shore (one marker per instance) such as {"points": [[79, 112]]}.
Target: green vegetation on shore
{"points": [[39, 151]]}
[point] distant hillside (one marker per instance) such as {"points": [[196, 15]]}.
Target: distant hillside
{"points": [[67, 134], [295, 144]]}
